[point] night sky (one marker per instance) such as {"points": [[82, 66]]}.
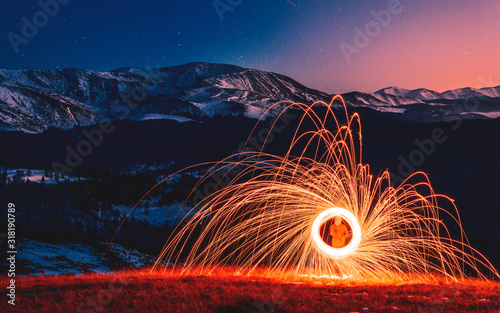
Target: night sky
{"points": [[432, 44]]}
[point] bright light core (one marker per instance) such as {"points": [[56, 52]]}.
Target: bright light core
{"points": [[326, 248]]}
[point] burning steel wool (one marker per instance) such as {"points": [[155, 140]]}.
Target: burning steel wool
{"points": [[318, 210]]}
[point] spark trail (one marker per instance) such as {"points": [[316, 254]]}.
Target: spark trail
{"points": [[270, 215]]}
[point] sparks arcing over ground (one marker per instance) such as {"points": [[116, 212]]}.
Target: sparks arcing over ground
{"points": [[276, 212]]}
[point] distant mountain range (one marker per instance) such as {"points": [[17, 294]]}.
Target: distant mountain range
{"points": [[169, 118], [33, 100]]}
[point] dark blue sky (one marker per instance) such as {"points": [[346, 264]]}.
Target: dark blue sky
{"points": [[434, 44]]}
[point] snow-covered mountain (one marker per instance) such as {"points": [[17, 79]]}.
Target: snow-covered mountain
{"points": [[430, 95], [420, 94], [424, 105], [33, 100]]}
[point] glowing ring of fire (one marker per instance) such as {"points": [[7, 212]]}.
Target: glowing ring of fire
{"points": [[323, 246]]}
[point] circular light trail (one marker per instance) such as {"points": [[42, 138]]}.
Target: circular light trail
{"points": [[272, 210], [326, 248]]}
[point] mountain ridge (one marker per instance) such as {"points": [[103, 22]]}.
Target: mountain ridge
{"points": [[33, 100], [453, 94]]}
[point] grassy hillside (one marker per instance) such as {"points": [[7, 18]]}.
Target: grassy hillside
{"points": [[139, 291]]}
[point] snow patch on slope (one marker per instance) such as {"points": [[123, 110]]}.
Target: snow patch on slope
{"points": [[75, 258], [149, 211], [154, 116]]}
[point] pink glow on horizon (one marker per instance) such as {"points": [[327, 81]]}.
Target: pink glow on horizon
{"points": [[453, 52], [449, 45]]}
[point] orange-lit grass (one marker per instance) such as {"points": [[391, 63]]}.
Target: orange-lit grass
{"points": [[226, 290]]}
